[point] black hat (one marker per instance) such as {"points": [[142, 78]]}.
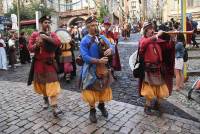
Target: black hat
{"points": [[45, 17], [90, 20]]}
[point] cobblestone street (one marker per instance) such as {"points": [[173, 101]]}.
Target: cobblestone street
{"points": [[21, 110], [21, 113]]}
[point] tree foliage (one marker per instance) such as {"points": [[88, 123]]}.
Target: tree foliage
{"points": [[103, 13], [28, 11]]}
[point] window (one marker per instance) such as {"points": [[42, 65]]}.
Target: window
{"points": [[68, 2], [196, 3], [175, 4], [133, 4], [122, 3], [190, 3]]}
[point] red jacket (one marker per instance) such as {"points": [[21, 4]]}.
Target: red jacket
{"points": [[43, 72], [150, 50], [166, 51]]}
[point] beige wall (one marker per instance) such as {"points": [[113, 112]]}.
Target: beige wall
{"points": [[136, 15], [171, 9]]}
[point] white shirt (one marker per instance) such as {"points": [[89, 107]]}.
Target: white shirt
{"points": [[11, 42]]}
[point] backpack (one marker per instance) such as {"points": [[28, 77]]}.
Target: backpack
{"points": [[185, 56]]}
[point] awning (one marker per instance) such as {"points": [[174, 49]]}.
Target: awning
{"points": [[27, 22]]}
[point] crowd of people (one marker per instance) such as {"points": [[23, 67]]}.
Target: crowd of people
{"points": [[99, 59], [10, 50]]}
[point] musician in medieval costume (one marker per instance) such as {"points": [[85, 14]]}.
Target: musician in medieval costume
{"points": [[153, 86], [24, 53], [72, 43], [45, 81], [95, 72], [67, 55], [116, 66]]}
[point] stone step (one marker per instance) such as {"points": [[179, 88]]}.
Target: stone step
{"points": [[194, 72], [193, 49], [192, 57]]}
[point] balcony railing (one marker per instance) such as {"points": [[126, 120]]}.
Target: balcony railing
{"points": [[77, 12]]}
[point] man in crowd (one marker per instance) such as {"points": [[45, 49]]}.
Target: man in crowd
{"points": [[116, 65], [95, 73], [154, 85], [45, 81]]}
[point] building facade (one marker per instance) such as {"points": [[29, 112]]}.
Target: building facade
{"points": [[172, 9], [134, 11]]}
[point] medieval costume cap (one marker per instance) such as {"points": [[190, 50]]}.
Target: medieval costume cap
{"points": [[147, 25], [90, 20], [45, 17], [107, 21]]}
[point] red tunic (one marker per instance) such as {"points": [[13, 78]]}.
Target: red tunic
{"points": [[167, 57], [43, 72], [188, 28], [116, 60]]}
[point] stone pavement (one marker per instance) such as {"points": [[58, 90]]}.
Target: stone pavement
{"points": [[20, 107], [21, 113]]}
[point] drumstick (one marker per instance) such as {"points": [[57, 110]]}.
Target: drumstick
{"points": [[177, 32]]}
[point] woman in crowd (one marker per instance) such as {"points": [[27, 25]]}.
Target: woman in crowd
{"points": [[3, 59], [179, 61]]}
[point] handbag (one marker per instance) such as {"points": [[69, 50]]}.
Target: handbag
{"points": [[138, 71]]}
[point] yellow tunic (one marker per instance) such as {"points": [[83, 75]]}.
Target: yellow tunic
{"points": [[48, 89], [92, 96], [150, 91]]}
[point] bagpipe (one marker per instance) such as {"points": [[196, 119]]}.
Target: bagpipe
{"points": [[49, 45], [176, 32], [103, 47]]}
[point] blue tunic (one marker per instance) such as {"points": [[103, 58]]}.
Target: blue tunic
{"points": [[89, 49]]}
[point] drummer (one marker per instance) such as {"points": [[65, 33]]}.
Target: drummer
{"points": [[45, 80], [67, 58]]}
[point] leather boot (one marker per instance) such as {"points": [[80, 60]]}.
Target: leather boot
{"points": [[103, 110], [148, 110], [46, 102], [92, 115], [56, 110]]}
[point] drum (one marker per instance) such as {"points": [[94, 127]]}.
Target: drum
{"points": [[64, 59], [63, 35]]}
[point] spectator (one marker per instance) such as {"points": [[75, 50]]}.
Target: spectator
{"points": [[3, 59], [179, 54], [12, 51], [24, 53]]}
